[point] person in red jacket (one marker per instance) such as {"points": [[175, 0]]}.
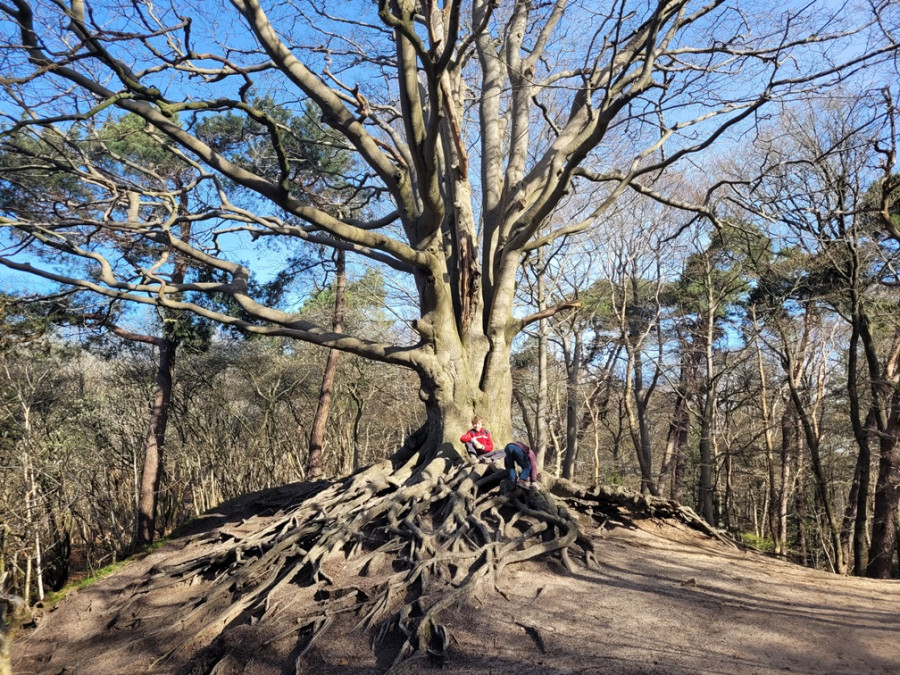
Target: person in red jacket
{"points": [[478, 441]]}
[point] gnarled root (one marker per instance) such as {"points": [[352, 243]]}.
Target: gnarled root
{"points": [[409, 541]]}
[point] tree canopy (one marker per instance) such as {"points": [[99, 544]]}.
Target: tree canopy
{"points": [[471, 125]]}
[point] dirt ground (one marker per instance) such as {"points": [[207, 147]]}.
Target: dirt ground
{"points": [[664, 600]]}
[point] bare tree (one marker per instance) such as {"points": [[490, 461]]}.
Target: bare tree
{"points": [[830, 194], [450, 113]]}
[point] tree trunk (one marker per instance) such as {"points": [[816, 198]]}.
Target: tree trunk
{"points": [[155, 438], [800, 507], [154, 444], [811, 434], [315, 467], [542, 435], [789, 454], [573, 400], [771, 514], [678, 475], [886, 406], [887, 495], [634, 399], [707, 505], [676, 438], [861, 524], [728, 497], [857, 503], [706, 333]]}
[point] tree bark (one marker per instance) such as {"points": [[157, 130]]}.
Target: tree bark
{"points": [[861, 520], [677, 435], [789, 454], [771, 515], [154, 444], [315, 467], [707, 486], [811, 434], [856, 516], [887, 496], [800, 507], [707, 410], [859, 494], [886, 406], [542, 436], [573, 401]]}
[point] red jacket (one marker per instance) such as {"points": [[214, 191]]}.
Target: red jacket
{"points": [[483, 437]]}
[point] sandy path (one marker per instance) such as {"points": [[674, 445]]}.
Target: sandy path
{"points": [[665, 600]]}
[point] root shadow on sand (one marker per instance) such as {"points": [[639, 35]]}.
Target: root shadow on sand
{"points": [[387, 551]]}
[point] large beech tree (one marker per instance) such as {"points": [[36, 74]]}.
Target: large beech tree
{"points": [[474, 120], [475, 123]]}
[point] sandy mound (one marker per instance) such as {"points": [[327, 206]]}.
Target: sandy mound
{"points": [[665, 600]]}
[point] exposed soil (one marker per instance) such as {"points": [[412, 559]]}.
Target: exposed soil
{"points": [[665, 599]]}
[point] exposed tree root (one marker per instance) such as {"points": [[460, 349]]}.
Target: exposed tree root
{"points": [[417, 539]]}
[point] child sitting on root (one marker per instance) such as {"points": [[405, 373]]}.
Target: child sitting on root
{"points": [[478, 442]]}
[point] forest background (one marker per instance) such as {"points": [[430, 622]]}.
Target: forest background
{"points": [[716, 323]]}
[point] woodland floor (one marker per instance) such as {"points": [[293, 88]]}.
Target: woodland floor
{"points": [[665, 599]]}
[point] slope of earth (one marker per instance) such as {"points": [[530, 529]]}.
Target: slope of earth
{"points": [[665, 599]]}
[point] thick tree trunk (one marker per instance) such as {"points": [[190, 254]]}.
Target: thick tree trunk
{"points": [[857, 504], [861, 524], [315, 466], [886, 407], [887, 496], [154, 444], [457, 382]]}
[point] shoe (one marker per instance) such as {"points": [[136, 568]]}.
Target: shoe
{"points": [[523, 484]]}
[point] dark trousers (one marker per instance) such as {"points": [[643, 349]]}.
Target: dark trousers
{"points": [[516, 455], [485, 456]]}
